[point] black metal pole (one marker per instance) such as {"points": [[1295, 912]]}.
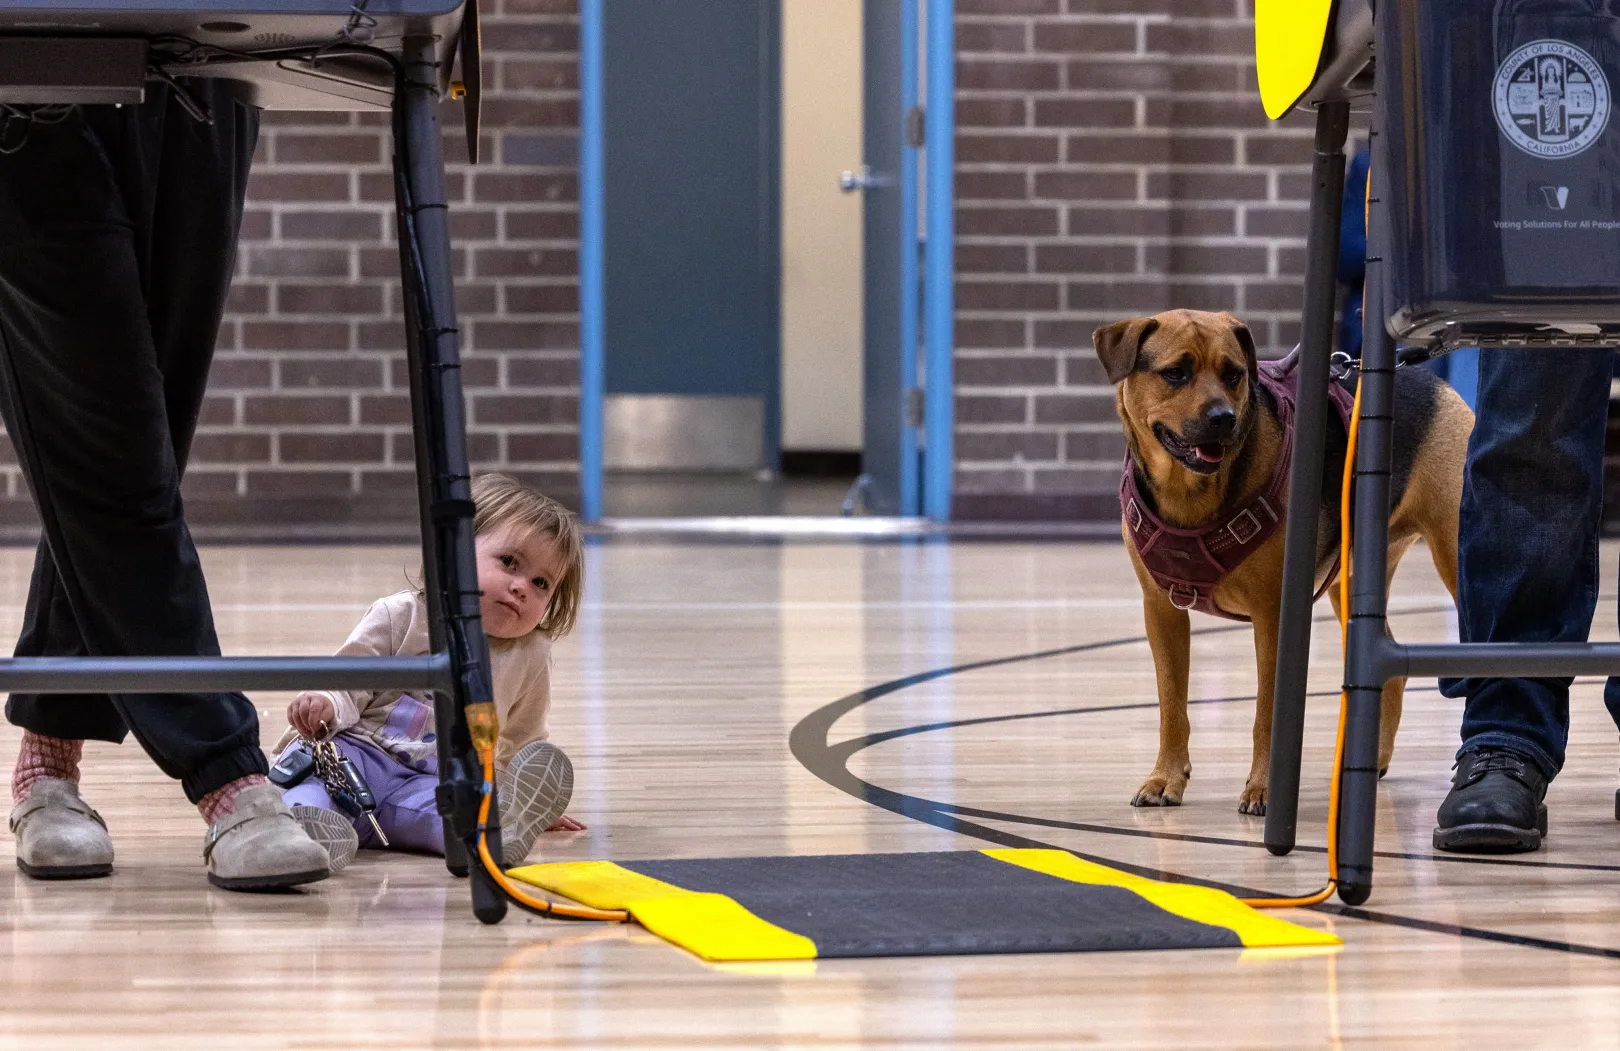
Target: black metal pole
{"points": [[1366, 666], [424, 437], [1305, 478], [207, 674], [449, 564]]}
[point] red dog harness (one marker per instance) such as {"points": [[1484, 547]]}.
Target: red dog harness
{"points": [[1189, 564]]}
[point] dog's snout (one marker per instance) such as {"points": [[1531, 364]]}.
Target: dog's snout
{"points": [[1220, 421]]}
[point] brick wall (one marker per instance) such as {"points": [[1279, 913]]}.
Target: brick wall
{"points": [[1112, 161], [308, 416]]}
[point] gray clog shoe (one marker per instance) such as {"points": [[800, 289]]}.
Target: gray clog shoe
{"points": [[58, 835], [260, 846]]}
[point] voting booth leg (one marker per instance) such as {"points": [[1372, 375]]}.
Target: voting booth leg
{"points": [[443, 477], [1366, 665], [1305, 477]]}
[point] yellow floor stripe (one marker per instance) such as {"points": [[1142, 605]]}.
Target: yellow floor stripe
{"points": [[711, 926], [1201, 904]]}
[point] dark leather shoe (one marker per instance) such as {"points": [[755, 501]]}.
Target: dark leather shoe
{"points": [[1495, 805]]}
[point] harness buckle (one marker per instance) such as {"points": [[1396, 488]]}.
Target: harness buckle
{"points": [[1189, 590], [1249, 522], [1133, 516]]}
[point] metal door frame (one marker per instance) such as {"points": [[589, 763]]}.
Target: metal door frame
{"points": [[939, 263]]}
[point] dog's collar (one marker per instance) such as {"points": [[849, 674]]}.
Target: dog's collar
{"points": [[1189, 564]]}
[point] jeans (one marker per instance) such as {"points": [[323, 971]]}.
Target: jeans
{"points": [[117, 242], [405, 807], [1527, 566]]}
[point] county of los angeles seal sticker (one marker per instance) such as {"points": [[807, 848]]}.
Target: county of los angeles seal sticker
{"points": [[1552, 99]]}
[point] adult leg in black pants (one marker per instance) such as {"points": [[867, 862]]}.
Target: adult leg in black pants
{"points": [[1527, 571], [117, 239]]}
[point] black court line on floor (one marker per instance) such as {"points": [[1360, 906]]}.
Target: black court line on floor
{"points": [[861, 743], [809, 742]]}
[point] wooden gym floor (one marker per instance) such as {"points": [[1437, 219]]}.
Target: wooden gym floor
{"points": [[677, 699]]}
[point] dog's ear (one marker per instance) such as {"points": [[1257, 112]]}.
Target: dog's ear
{"points": [[1119, 344], [1245, 340]]}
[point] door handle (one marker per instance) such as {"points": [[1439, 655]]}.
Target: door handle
{"points": [[863, 178]]}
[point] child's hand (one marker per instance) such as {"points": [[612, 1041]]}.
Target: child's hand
{"points": [[311, 714], [566, 824]]}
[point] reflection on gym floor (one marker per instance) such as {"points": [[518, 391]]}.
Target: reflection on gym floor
{"points": [[667, 495]]}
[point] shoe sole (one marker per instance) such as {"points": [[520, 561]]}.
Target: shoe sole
{"points": [[268, 883], [64, 871], [536, 796], [332, 831], [1493, 838]]}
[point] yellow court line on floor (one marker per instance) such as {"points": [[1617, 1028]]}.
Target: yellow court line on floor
{"points": [[712, 926], [1200, 904]]}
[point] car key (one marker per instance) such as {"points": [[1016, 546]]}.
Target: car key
{"points": [[356, 788], [347, 786], [294, 766]]}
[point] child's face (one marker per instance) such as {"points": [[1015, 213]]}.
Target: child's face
{"points": [[517, 572]]}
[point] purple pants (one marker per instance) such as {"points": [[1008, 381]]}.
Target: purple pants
{"points": [[405, 806]]}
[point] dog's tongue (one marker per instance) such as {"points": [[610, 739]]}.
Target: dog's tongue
{"points": [[1209, 453]]}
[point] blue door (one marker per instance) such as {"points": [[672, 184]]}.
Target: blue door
{"points": [[691, 153]]}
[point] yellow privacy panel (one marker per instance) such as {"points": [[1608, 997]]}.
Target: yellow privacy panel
{"points": [[1289, 36], [1200, 904]]}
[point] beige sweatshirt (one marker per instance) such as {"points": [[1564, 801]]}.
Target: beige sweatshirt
{"points": [[403, 725]]}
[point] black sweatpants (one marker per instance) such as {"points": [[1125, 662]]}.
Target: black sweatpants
{"points": [[117, 240]]}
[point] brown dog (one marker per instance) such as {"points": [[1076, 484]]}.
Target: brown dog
{"points": [[1208, 444]]}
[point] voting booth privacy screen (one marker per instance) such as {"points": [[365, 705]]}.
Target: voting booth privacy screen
{"points": [[1504, 171]]}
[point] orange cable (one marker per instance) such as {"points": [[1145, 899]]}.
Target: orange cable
{"points": [[1344, 702]]}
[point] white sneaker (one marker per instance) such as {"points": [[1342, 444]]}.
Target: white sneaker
{"points": [[534, 789], [332, 831]]}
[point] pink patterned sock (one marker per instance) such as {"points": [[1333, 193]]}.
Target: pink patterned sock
{"points": [[221, 802], [44, 757]]}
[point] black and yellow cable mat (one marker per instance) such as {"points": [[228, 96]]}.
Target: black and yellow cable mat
{"points": [[929, 904]]}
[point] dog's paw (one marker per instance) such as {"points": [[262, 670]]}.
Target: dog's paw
{"points": [[1253, 800], [1159, 791]]}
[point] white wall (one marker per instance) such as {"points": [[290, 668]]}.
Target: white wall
{"points": [[821, 226]]}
